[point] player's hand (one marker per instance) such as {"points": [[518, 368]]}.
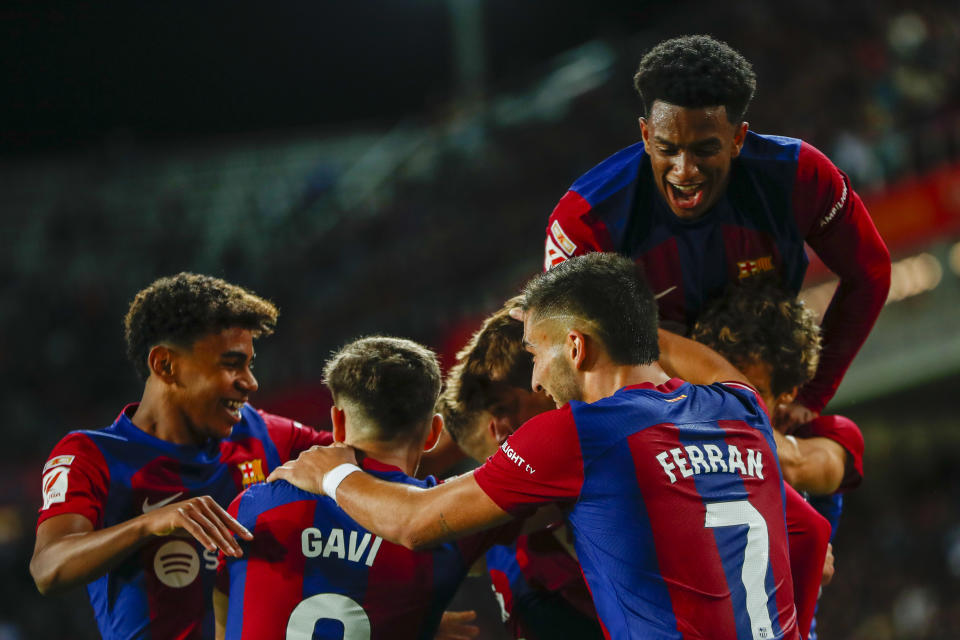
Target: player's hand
{"points": [[202, 518], [455, 625], [306, 472], [828, 569], [787, 418]]}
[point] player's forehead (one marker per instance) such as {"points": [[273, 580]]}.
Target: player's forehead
{"points": [[230, 342], [671, 122]]}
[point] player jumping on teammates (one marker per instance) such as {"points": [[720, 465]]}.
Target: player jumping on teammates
{"points": [[674, 496], [702, 201], [137, 509]]}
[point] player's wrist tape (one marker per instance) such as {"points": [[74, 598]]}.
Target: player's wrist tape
{"points": [[333, 478]]}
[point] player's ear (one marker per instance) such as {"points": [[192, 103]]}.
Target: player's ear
{"points": [[644, 131], [501, 427], [739, 135], [436, 428], [576, 348], [787, 397], [162, 362], [339, 419]]}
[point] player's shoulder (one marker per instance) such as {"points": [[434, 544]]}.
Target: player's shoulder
{"points": [[264, 496], [610, 175], [760, 147], [549, 420]]}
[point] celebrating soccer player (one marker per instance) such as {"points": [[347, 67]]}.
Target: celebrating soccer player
{"points": [[137, 509], [312, 571], [702, 201], [674, 495]]}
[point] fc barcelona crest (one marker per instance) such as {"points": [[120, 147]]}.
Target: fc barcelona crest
{"points": [[251, 472]]}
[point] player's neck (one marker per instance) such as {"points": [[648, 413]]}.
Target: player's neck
{"points": [[406, 458], [159, 419], [605, 381]]}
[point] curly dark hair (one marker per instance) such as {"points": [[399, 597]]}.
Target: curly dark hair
{"points": [[393, 382], [694, 72], [606, 292], [182, 308], [757, 321], [492, 360]]}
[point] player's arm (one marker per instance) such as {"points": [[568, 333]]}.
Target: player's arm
{"points": [[815, 465], [409, 516], [838, 228], [69, 551], [694, 362], [809, 535]]}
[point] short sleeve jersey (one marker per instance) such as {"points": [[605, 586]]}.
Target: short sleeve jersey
{"points": [[329, 578], [782, 192], [676, 504], [163, 589]]}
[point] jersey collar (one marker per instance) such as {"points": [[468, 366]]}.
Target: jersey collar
{"points": [[669, 386]]}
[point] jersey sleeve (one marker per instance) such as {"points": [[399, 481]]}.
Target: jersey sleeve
{"points": [[809, 534], [837, 226], [572, 231], [845, 432], [540, 463], [75, 480], [292, 438]]}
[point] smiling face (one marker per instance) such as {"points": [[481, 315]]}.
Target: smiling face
{"points": [[691, 150], [213, 380], [553, 373]]}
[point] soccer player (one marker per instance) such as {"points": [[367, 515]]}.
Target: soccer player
{"points": [[702, 201], [136, 509], [537, 582], [312, 571], [672, 489], [774, 340]]}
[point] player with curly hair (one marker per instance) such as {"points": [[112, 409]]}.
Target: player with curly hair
{"points": [[702, 201], [773, 338], [136, 510]]}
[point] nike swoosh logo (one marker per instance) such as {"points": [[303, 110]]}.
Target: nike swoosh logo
{"points": [[147, 507], [664, 292]]}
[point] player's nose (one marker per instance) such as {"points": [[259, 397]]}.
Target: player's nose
{"points": [[684, 166], [248, 382]]}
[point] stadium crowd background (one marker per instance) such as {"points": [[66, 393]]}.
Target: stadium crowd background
{"points": [[420, 222]]}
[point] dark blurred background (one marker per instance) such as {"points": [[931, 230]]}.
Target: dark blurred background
{"points": [[388, 166]]}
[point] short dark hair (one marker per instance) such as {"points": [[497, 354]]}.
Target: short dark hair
{"points": [[609, 292], [184, 307], [696, 72], [394, 382], [492, 360], [757, 320]]}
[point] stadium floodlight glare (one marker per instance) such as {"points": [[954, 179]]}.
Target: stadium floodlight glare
{"points": [[908, 277]]}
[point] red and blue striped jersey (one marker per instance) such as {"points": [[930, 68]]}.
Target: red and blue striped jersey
{"points": [[163, 589], [782, 193], [312, 572], [540, 589], [677, 506]]}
